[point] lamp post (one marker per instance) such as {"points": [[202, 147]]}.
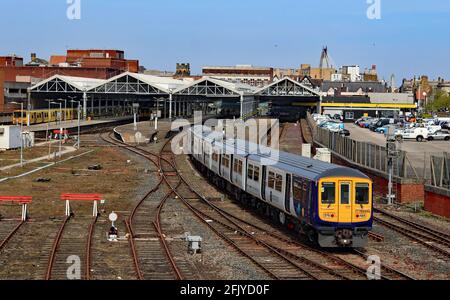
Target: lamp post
{"points": [[65, 109], [78, 117], [60, 129], [21, 132]]}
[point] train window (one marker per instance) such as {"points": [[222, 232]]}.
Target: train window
{"points": [[271, 180], [328, 192], [345, 193], [250, 171], [226, 160], [297, 189], [278, 182], [237, 168], [256, 174], [215, 156], [362, 193]]}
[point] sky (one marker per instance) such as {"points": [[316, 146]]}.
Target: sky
{"points": [[410, 38]]}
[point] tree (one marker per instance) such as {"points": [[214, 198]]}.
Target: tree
{"points": [[441, 102]]}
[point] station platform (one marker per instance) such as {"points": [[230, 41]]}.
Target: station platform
{"points": [[72, 126], [144, 131], [291, 138]]}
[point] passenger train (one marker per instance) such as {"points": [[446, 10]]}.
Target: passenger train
{"points": [[329, 203], [42, 115]]}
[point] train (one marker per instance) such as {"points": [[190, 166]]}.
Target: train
{"points": [[42, 116], [329, 204]]}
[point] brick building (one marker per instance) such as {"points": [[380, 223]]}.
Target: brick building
{"points": [[15, 77]]}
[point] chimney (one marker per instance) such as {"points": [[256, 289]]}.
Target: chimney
{"points": [[33, 57]]}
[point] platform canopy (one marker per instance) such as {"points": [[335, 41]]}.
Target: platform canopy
{"points": [[286, 87], [137, 84], [213, 87], [66, 84]]}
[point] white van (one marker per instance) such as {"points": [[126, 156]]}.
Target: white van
{"points": [[419, 134]]}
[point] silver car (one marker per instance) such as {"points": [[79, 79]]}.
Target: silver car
{"points": [[439, 135]]}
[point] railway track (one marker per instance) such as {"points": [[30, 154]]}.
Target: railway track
{"points": [[72, 244], [421, 234], [295, 248], [7, 230], [151, 254]]}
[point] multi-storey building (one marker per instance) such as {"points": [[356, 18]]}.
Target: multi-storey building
{"points": [[248, 74]]}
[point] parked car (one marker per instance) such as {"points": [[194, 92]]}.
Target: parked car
{"points": [[344, 132], [445, 125], [439, 135], [380, 123], [433, 128], [382, 130], [361, 120], [369, 122], [419, 134]]}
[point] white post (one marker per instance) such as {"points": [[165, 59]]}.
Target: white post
{"points": [[170, 106], [84, 105], [242, 106], [78, 140], [156, 122], [24, 212], [94, 209], [21, 134], [67, 208], [60, 129]]}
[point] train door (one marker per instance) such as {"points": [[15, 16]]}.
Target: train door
{"points": [[264, 182], [345, 203], [287, 198]]}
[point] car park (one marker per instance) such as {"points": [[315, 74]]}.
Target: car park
{"points": [[439, 135]]}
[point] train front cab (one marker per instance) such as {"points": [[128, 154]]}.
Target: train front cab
{"points": [[344, 212]]}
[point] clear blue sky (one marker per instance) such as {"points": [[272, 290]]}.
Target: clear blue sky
{"points": [[412, 37]]}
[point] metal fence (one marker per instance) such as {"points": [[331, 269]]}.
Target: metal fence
{"points": [[440, 171]]}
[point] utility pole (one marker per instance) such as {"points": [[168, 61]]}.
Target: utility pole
{"points": [[21, 131], [392, 154]]}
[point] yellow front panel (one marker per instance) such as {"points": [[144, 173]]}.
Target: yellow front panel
{"points": [[348, 205]]}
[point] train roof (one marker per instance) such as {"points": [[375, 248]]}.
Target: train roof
{"points": [[311, 169]]}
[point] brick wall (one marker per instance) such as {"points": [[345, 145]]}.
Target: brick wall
{"points": [[437, 203]]}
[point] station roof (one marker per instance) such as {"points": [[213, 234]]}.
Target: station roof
{"points": [[137, 83], [58, 83]]}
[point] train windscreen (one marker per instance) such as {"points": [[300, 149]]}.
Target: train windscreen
{"points": [[362, 193]]}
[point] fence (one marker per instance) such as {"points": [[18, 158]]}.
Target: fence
{"points": [[364, 154], [440, 171]]}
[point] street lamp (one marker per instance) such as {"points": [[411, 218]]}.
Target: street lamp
{"points": [[78, 113], [60, 129], [21, 131], [65, 108]]}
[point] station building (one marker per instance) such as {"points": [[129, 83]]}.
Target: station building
{"points": [[246, 74], [371, 104]]}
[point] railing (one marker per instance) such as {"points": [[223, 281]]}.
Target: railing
{"points": [[440, 171]]}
